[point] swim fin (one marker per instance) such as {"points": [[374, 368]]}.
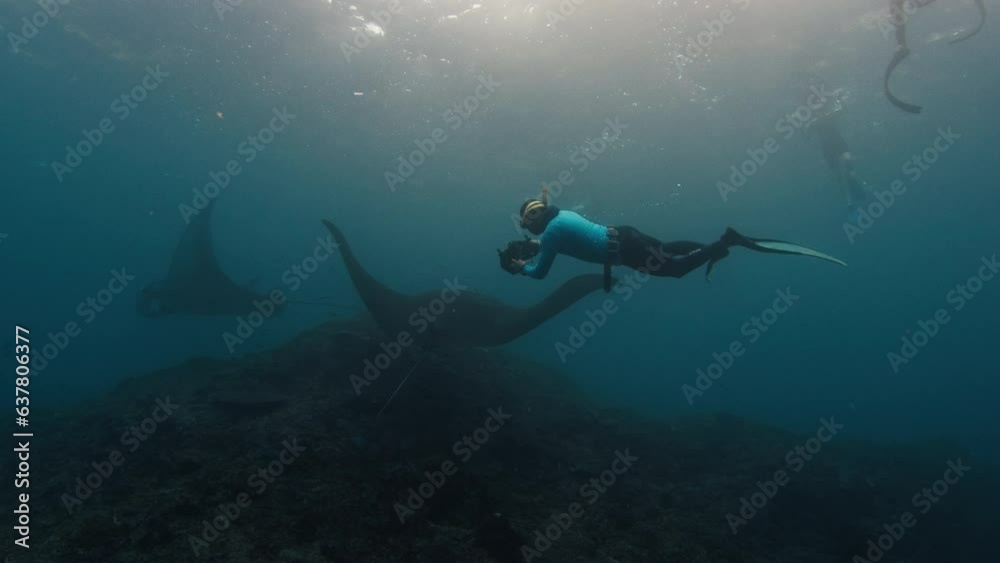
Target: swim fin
{"points": [[733, 238]]}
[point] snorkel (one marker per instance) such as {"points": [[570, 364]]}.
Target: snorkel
{"points": [[536, 213]]}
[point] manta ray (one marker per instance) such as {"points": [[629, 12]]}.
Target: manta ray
{"points": [[469, 320], [195, 284], [897, 9]]}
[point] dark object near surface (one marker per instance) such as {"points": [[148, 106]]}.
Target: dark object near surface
{"points": [[897, 9], [517, 250]]}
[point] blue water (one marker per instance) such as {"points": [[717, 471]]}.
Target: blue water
{"points": [[687, 122]]}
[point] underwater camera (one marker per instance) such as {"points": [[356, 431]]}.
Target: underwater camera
{"points": [[517, 250]]}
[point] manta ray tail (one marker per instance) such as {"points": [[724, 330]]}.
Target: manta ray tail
{"points": [[776, 246]]}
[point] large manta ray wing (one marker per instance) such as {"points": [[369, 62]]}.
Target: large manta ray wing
{"points": [[194, 263], [193, 253], [389, 308], [511, 323], [472, 320], [195, 284]]}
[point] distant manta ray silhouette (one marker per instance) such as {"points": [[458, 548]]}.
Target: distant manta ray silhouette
{"points": [[470, 320], [897, 9], [195, 284]]}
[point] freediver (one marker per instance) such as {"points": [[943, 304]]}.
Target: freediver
{"points": [[836, 153], [566, 232]]}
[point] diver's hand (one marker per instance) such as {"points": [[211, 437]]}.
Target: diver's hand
{"points": [[518, 265]]}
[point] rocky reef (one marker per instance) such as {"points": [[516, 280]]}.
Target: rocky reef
{"points": [[287, 456]]}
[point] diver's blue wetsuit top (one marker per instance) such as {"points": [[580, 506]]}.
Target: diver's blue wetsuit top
{"points": [[571, 234]]}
